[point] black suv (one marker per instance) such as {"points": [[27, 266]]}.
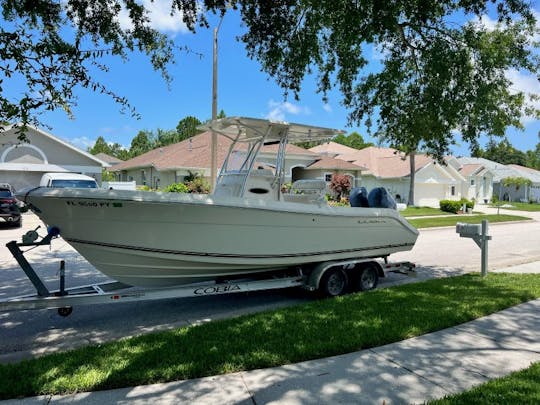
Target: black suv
{"points": [[9, 206]]}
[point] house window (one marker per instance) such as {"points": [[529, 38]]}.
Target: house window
{"points": [[452, 190], [472, 182], [328, 177]]}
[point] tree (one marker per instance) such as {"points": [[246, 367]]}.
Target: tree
{"points": [[503, 152], [353, 140], [165, 137], [533, 157], [187, 127], [52, 46], [142, 143], [436, 77], [100, 146]]}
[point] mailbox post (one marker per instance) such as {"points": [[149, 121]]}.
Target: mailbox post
{"points": [[478, 233]]}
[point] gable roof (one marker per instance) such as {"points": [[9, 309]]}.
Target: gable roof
{"points": [[195, 153], [527, 172], [332, 148], [470, 169], [385, 162], [499, 170], [60, 141], [108, 158], [333, 164]]}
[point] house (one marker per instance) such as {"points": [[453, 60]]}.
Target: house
{"points": [[389, 168], [478, 185], [173, 163], [501, 172], [530, 192], [23, 163]]}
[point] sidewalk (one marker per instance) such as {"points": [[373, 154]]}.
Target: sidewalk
{"points": [[411, 371]]}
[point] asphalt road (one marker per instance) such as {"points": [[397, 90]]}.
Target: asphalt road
{"points": [[438, 252]]}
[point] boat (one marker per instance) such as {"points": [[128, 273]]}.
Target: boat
{"points": [[248, 224]]}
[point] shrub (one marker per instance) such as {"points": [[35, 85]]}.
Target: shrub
{"points": [[176, 188], [198, 185], [450, 206], [340, 184], [286, 187], [468, 203]]}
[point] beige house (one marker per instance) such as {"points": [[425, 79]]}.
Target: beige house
{"points": [[23, 163], [171, 164]]}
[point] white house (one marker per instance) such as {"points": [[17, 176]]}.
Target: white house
{"points": [[501, 172], [389, 168], [478, 183], [23, 163]]}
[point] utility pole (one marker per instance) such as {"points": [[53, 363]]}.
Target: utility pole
{"points": [[213, 165]]}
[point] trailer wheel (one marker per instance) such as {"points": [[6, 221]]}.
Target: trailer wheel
{"points": [[333, 283], [368, 278], [65, 311]]}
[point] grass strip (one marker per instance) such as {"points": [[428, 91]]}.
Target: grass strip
{"points": [[422, 211], [521, 387], [309, 331], [469, 219], [519, 206]]}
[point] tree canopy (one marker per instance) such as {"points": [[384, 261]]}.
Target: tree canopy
{"points": [[436, 76], [353, 140], [53, 46]]}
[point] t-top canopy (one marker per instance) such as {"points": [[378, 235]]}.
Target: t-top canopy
{"points": [[250, 129]]}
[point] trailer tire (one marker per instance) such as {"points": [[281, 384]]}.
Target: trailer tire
{"points": [[368, 278], [334, 282]]}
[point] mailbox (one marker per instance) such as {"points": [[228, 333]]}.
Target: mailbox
{"points": [[478, 233], [468, 230]]}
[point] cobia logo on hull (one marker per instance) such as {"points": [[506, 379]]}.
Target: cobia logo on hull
{"points": [[217, 289]]}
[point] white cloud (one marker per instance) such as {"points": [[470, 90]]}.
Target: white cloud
{"points": [[82, 142], [528, 84], [327, 108], [278, 110], [160, 16]]}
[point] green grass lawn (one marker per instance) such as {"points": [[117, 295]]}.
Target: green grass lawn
{"points": [[422, 211], [308, 331], [521, 387], [519, 206], [470, 219]]}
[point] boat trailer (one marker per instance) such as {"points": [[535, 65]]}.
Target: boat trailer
{"points": [[329, 278]]}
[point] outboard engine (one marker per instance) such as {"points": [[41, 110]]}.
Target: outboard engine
{"points": [[358, 197], [380, 198]]}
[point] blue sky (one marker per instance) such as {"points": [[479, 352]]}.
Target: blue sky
{"points": [[242, 90]]}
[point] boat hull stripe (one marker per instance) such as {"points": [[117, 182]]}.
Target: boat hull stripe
{"points": [[227, 255]]}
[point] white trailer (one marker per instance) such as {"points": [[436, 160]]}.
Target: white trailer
{"points": [[328, 279]]}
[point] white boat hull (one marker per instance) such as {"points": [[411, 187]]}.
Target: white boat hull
{"points": [[166, 239]]}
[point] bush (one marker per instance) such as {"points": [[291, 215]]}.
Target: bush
{"points": [[468, 203], [450, 206], [176, 188], [340, 184], [198, 185]]}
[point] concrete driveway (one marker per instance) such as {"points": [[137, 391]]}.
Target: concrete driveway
{"points": [[438, 252]]}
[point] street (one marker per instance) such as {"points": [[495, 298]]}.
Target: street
{"points": [[438, 252]]}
